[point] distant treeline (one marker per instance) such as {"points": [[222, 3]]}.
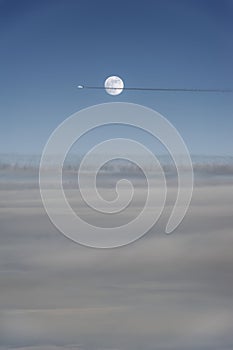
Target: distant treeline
{"points": [[201, 164]]}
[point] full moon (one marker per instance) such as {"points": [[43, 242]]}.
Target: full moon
{"points": [[114, 85]]}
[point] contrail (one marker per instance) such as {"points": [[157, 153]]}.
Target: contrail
{"points": [[154, 89]]}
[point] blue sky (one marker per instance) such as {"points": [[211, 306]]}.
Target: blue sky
{"points": [[49, 47]]}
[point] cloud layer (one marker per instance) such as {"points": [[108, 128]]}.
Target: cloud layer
{"points": [[162, 292]]}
